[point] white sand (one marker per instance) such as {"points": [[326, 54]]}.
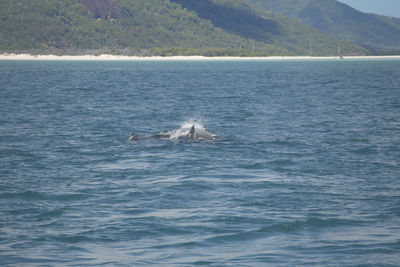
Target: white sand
{"points": [[175, 58]]}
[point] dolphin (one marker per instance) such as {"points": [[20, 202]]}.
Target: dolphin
{"points": [[192, 133], [133, 137], [200, 134]]}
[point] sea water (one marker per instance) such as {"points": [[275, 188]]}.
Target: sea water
{"points": [[304, 171]]}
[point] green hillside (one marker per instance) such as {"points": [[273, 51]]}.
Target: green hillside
{"points": [[378, 33], [244, 19], [157, 27]]}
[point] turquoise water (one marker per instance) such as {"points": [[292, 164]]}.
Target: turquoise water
{"points": [[305, 169]]}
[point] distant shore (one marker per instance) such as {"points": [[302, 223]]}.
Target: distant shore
{"points": [[106, 57]]}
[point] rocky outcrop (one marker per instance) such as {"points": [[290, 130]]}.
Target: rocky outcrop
{"points": [[104, 9]]}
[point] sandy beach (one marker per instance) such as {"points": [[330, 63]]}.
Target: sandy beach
{"points": [[106, 57]]}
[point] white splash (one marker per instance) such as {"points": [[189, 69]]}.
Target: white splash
{"points": [[200, 132], [192, 129]]}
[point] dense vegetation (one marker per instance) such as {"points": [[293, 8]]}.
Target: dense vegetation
{"points": [[158, 27], [380, 34]]}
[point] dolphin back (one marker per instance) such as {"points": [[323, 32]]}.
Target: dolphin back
{"points": [[203, 134]]}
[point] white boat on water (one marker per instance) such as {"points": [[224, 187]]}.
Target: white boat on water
{"points": [[339, 54]]}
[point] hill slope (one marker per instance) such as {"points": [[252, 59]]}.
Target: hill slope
{"points": [[375, 32], [241, 17], [162, 27]]}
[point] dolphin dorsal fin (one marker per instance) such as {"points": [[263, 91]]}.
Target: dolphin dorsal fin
{"points": [[192, 132]]}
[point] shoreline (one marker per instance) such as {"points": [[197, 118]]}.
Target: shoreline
{"points": [[108, 57]]}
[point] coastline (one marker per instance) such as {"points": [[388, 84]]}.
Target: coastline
{"points": [[108, 57]]}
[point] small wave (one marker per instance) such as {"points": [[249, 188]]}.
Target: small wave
{"points": [[71, 196], [281, 162], [229, 238], [127, 164], [72, 238], [49, 214], [183, 244], [364, 150], [309, 224], [75, 248], [288, 143], [26, 195], [255, 165], [397, 211], [33, 195]]}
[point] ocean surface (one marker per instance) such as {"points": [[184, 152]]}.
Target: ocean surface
{"points": [[305, 169]]}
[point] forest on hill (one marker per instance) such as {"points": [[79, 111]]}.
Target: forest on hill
{"points": [[161, 27], [379, 34]]}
